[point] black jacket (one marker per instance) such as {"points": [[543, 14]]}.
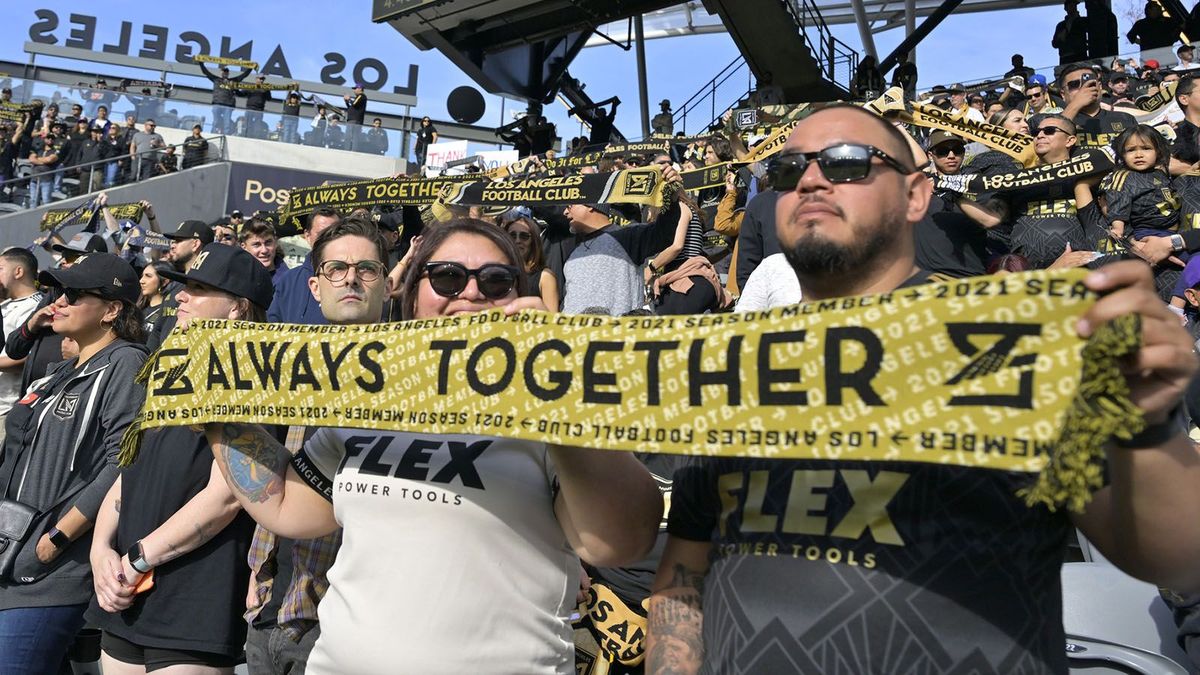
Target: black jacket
{"points": [[757, 238], [222, 96]]}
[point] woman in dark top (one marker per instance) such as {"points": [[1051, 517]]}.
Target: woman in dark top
{"points": [[60, 456], [169, 554], [682, 279], [528, 238], [427, 135], [152, 284]]}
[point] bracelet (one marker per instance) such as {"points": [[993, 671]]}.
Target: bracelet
{"points": [[1157, 434]]}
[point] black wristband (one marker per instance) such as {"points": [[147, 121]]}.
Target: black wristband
{"points": [[1157, 434], [59, 538]]}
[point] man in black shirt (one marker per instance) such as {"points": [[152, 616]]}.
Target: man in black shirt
{"points": [[356, 114], [1101, 29], [1070, 35], [377, 139], [1185, 151], [1118, 90], [223, 97], [94, 149], [195, 148], [947, 240], [829, 565], [256, 103], [291, 118], [1095, 126], [1154, 33]]}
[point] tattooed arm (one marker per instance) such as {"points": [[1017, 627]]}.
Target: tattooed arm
{"points": [[258, 469], [674, 642], [194, 524]]}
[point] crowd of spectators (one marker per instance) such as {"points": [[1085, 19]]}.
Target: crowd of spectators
{"points": [[240, 550]]}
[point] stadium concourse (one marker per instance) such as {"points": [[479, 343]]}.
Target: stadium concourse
{"points": [[761, 267]]}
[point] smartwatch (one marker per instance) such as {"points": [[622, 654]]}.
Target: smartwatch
{"points": [[1177, 242], [58, 538], [137, 559]]}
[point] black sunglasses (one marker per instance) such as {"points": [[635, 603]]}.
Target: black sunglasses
{"points": [[74, 295], [520, 235], [495, 280], [1050, 131], [947, 148], [842, 163]]}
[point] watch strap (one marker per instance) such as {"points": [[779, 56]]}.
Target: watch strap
{"points": [[58, 538], [137, 559]]}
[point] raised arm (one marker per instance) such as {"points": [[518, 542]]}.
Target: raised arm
{"points": [[258, 469]]}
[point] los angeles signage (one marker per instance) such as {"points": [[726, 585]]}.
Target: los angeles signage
{"points": [[149, 41]]}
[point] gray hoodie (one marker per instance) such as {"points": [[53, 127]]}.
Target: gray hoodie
{"points": [[75, 432]]}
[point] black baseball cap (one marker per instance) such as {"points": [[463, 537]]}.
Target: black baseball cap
{"points": [[192, 229], [104, 274], [83, 242], [229, 269]]}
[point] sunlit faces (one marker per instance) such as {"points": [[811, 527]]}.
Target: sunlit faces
{"points": [[473, 252]]}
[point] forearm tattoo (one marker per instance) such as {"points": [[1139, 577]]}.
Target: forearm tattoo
{"points": [[255, 462], [676, 644]]}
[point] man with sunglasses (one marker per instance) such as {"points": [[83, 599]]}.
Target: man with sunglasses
{"points": [[186, 242], [948, 241], [1081, 90], [1040, 101], [779, 566], [1185, 150]]}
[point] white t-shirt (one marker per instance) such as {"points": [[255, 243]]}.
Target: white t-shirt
{"points": [[16, 312], [452, 560], [772, 284]]}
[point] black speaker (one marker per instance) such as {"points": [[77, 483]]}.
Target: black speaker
{"points": [[466, 105]]}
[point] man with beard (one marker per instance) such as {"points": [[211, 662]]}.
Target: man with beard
{"points": [[918, 567], [186, 242], [1080, 87], [18, 278]]}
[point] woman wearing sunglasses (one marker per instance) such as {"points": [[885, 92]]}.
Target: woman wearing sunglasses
{"points": [[460, 552], [543, 284], [60, 458]]}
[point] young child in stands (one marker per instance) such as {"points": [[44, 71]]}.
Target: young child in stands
{"points": [[1138, 193]]}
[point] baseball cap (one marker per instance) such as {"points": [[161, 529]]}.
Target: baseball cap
{"points": [[230, 269], [939, 137], [235, 214], [1152, 64], [956, 87], [1191, 273], [192, 229], [83, 242], [102, 273], [1037, 78]]}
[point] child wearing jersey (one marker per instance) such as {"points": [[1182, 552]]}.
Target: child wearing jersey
{"points": [[1140, 200]]}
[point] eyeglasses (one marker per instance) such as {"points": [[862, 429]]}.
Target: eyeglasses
{"points": [[520, 235], [946, 149], [74, 295], [1050, 131], [843, 163], [364, 270], [495, 280]]}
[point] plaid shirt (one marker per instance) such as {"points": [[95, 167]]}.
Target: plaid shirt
{"points": [[311, 560]]}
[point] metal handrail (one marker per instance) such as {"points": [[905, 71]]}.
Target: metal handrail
{"points": [[92, 167], [708, 92]]}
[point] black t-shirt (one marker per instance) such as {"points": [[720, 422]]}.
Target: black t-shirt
{"points": [[949, 242], [1102, 129], [1155, 33], [822, 566], [1186, 147], [1141, 200], [198, 599]]}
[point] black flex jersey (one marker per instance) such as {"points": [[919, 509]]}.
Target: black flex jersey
{"points": [[1100, 131], [1143, 201], [1044, 223], [847, 568], [1187, 189]]}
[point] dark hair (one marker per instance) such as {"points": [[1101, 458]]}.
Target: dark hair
{"points": [[250, 311], [721, 147], [23, 258], [130, 324], [256, 227], [537, 257], [1184, 88], [349, 227], [687, 200], [1009, 262], [431, 240], [325, 211], [1162, 151], [159, 267]]}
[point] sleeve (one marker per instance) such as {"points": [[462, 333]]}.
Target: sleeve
{"points": [[14, 320], [750, 246], [1120, 201], [695, 507], [19, 343], [204, 71], [729, 220], [756, 294], [120, 404], [647, 239], [243, 75], [318, 461]]}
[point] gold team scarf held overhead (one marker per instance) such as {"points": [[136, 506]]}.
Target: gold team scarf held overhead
{"points": [[261, 86], [59, 218], [398, 191], [631, 186], [986, 373], [225, 61]]}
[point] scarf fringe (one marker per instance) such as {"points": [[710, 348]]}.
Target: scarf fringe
{"points": [[1100, 411]]}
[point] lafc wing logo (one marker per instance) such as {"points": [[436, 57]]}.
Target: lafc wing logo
{"points": [[174, 380], [639, 184], [990, 347]]}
